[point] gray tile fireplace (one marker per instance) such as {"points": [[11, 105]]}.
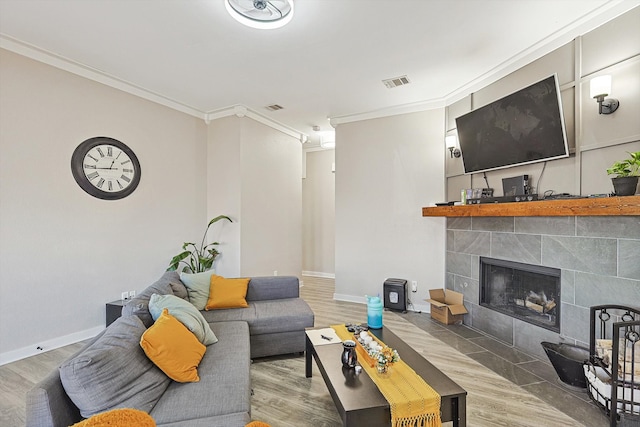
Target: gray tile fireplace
{"points": [[527, 292], [598, 259]]}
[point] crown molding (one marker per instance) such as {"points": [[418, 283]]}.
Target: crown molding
{"points": [[98, 76], [395, 110], [76, 68], [579, 27], [240, 110]]}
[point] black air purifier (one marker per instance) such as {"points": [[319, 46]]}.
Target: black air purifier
{"points": [[395, 294]]}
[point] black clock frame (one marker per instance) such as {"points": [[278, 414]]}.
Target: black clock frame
{"points": [[77, 168]]}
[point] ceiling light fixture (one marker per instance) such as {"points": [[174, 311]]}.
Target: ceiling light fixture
{"points": [[261, 14], [328, 139]]}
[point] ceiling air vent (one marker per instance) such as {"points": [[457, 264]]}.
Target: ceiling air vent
{"points": [[274, 107], [396, 81]]}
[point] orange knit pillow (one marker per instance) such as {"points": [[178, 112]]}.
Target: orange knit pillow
{"points": [[257, 424], [119, 417], [173, 348], [227, 293]]}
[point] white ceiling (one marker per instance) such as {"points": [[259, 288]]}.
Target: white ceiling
{"points": [[329, 62]]}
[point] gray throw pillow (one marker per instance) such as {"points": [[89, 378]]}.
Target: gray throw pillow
{"points": [[113, 372], [186, 314], [198, 287], [179, 290]]}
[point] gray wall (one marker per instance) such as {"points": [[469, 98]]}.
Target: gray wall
{"points": [[318, 214], [386, 170], [254, 176], [598, 258], [597, 140], [64, 253]]}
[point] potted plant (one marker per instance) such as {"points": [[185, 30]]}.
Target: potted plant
{"points": [[197, 259], [627, 172]]}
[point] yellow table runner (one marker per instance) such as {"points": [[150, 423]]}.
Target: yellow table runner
{"points": [[413, 402]]}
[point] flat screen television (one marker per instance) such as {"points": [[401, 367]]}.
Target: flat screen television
{"points": [[526, 126]]}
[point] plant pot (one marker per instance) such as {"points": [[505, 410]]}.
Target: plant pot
{"points": [[625, 185]]}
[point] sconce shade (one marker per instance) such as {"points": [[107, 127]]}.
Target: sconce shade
{"points": [[600, 86], [451, 141]]}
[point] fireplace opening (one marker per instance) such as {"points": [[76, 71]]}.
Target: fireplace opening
{"points": [[527, 292]]}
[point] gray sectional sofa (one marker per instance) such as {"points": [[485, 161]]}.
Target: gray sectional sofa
{"points": [[113, 362]]}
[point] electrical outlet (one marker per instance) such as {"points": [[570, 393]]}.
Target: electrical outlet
{"points": [[414, 286], [124, 296], [275, 272], [132, 294]]}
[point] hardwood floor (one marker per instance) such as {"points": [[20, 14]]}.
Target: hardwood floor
{"points": [[284, 397]]}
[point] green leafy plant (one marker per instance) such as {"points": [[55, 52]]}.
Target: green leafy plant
{"points": [[197, 258], [628, 167]]}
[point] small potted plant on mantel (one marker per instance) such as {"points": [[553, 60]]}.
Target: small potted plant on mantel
{"points": [[627, 173]]}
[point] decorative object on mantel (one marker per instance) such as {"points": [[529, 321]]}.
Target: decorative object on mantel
{"points": [[200, 258], [627, 173]]}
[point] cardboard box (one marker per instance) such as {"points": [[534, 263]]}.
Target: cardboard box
{"points": [[447, 306]]}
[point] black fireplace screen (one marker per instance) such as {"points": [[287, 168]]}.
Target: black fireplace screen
{"points": [[527, 292]]}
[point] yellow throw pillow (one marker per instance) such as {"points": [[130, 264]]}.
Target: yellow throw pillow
{"points": [[227, 293], [173, 348], [118, 417]]}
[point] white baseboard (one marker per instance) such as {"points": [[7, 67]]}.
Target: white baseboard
{"points": [[41, 347], [423, 308], [350, 298], [319, 274]]}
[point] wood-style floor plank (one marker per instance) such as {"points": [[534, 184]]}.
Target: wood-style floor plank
{"points": [[284, 397]]}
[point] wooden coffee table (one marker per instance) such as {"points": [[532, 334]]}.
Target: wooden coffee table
{"points": [[357, 398]]}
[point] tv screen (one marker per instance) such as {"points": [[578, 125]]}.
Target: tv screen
{"points": [[524, 127]]}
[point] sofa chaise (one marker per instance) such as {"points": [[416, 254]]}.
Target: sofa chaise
{"points": [[114, 362]]}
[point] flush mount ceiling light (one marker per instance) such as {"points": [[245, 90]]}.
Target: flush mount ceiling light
{"points": [[261, 14]]}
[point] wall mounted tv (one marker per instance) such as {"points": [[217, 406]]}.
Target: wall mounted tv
{"points": [[526, 126]]}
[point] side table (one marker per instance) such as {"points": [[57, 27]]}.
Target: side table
{"points": [[114, 310]]}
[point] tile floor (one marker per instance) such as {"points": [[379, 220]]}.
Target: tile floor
{"points": [[532, 374]]}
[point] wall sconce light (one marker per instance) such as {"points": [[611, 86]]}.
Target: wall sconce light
{"points": [[599, 88], [451, 142]]}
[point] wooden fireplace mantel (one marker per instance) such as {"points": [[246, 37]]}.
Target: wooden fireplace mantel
{"points": [[604, 206]]}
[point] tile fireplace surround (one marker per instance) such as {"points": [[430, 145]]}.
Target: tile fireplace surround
{"points": [[599, 259]]}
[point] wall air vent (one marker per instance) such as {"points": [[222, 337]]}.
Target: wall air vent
{"points": [[274, 107], [396, 81]]}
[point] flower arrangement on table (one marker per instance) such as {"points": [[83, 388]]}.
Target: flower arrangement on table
{"points": [[378, 352]]}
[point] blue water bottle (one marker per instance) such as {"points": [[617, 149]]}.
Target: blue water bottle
{"points": [[374, 312]]}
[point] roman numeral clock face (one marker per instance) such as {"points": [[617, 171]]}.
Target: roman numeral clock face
{"points": [[105, 168]]}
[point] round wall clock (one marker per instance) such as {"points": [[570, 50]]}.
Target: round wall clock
{"points": [[105, 168]]}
